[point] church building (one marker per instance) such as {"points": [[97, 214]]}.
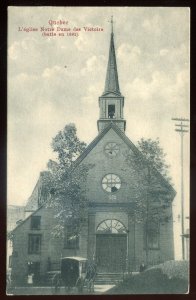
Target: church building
{"points": [[111, 235]]}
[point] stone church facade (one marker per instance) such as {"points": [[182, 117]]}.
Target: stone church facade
{"points": [[111, 234]]}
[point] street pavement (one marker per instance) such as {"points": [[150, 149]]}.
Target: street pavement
{"points": [[98, 289]]}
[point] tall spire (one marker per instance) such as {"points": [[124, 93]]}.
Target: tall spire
{"points": [[111, 83], [111, 102]]}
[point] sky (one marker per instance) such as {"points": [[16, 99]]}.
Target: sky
{"points": [[55, 80]]}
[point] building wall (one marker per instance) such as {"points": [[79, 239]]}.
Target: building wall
{"points": [[167, 239], [103, 206], [14, 214], [53, 247], [130, 188], [49, 247], [104, 165], [103, 123]]}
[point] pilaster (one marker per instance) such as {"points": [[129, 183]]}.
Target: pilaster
{"points": [[91, 236]]}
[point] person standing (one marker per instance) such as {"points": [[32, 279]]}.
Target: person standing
{"points": [[30, 279]]}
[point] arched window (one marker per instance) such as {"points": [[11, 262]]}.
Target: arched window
{"points": [[111, 226], [111, 111]]}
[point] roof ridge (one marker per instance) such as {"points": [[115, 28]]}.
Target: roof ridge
{"points": [[139, 152], [28, 217], [91, 145]]}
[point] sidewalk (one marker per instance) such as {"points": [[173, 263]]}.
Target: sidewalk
{"points": [[98, 289]]}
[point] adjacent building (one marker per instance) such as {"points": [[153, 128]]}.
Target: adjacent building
{"points": [[15, 215]]}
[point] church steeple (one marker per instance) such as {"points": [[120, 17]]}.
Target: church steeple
{"points": [[111, 102], [111, 82]]}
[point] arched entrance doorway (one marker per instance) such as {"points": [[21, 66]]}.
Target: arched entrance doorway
{"points": [[111, 246]]}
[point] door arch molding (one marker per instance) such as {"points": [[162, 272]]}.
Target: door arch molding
{"points": [[111, 226]]}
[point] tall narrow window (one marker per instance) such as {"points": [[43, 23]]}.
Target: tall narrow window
{"points": [[34, 244], [10, 261], [151, 234], [111, 111]]}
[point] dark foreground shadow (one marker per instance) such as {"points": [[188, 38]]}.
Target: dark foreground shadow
{"points": [[150, 282]]}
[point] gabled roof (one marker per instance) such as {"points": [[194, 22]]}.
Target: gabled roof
{"points": [[92, 145], [38, 195], [24, 221], [129, 144]]}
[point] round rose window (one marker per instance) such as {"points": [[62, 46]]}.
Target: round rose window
{"points": [[111, 149], [111, 183]]}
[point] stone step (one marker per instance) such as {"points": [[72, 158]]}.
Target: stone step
{"points": [[50, 275], [108, 278], [101, 278]]}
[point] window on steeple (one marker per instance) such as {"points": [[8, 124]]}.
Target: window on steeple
{"points": [[111, 111]]}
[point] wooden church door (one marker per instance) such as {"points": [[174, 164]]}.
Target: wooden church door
{"points": [[111, 247]]}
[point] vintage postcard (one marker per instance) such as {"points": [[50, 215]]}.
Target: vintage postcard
{"points": [[98, 150]]}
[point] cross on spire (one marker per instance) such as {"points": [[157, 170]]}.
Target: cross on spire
{"points": [[112, 22]]}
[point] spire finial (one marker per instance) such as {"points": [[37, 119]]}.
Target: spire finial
{"points": [[112, 22]]}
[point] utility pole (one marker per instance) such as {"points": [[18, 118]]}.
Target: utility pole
{"points": [[182, 127]]}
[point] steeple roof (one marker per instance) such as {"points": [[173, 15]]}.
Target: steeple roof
{"points": [[111, 82]]}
